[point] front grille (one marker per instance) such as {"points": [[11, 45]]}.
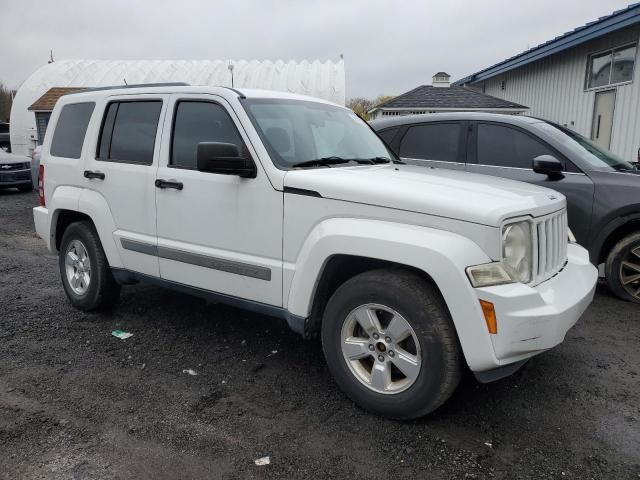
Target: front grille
{"points": [[8, 167], [553, 238]]}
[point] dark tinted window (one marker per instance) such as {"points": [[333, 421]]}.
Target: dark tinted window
{"points": [[197, 122], [387, 135], [507, 147], [131, 128], [4, 128], [432, 141], [70, 130]]}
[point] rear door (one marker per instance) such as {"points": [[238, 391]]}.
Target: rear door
{"points": [[435, 144], [506, 151], [123, 171]]}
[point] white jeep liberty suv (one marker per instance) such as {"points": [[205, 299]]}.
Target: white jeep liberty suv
{"points": [[293, 207]]}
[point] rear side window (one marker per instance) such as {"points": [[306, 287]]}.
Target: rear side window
{"points": [[129, 131], [4, 128], [197, 122], [507, 147], [70, 130], [432, 141]]}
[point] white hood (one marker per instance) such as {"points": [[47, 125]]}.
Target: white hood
{"points": [[446, 193], [9, 158]]}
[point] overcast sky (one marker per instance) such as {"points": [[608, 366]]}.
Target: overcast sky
{"points": [[389, 46]]}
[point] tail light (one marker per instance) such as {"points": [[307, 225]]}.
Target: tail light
{"points": [[41, 186]]}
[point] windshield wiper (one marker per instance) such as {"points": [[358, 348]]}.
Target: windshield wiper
{"points": [[334, 160], [322, 162]]}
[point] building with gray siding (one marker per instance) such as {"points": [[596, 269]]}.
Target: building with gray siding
{"points": [[586, 80]]}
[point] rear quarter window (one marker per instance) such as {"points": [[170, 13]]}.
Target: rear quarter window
{"points": [[71, 128]]}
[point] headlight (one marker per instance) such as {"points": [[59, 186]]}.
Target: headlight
{"points": [[517, 251]]}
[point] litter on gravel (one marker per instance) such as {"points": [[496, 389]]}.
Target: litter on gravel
{"points": [[263, 461], [189, 371], [121, 334]]}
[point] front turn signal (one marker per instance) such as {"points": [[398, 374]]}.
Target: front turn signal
{"points": [[489, 313]]}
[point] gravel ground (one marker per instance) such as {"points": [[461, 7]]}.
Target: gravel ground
{"points": [[75, 402]]}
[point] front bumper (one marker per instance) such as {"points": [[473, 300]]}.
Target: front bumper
{"points": [[534, 319], [15, 178]]}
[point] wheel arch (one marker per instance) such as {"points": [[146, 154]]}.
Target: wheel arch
{"points": [[340, 248], [338, 269], [612, 233], [71, 204]]}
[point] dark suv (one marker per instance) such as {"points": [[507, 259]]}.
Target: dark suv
{"points": [[602, 190], [5, 142]]}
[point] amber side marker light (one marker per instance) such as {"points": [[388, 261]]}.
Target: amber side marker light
{"points": [[489, 316]]}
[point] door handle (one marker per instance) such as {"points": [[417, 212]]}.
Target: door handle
{"points": [[160, 183], [91, 174]]}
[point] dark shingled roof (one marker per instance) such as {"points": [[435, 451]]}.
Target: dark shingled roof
{"points": [[47, 101], [442, 74], [427, 96]]}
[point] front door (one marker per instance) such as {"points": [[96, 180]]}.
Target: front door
{"points": [[603, 108], [220, 233], [504, 151], [123, 170]]}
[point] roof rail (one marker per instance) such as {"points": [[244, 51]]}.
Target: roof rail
{"points": [[239, 93], [136, 85]]}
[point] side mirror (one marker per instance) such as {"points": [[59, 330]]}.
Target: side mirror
{"points": [[548, 165], [225, 159]]}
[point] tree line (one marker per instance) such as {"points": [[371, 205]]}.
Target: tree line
{"points": [[361, 106], [6, 100]]}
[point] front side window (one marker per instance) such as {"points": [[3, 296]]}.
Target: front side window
{"points": [[296, 131], [129, 131], [507, 147], [71, 128], [197, 122], [432, 141], [611, 67]]}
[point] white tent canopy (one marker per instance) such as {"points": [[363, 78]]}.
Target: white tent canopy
{"points": [[318, 79]]}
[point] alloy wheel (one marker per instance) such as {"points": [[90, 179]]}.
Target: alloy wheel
{"points": [[381, 348], [630, 273], [77, 267]]}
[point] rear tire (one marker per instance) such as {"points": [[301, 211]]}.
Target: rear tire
{"points": [[422, 375], [86, 275], [622, 269]]}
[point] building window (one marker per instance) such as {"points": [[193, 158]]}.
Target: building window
{"points": [[611, 67], [42, 122]]}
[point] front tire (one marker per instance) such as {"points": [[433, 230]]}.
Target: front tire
{"points": [[390, 344], [86, 275], [622, 269]]}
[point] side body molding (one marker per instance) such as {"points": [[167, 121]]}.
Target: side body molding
{"points": [[442, 255]]}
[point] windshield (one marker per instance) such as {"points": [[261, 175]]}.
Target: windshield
{"points": [[314, 133], [598, 158]]}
